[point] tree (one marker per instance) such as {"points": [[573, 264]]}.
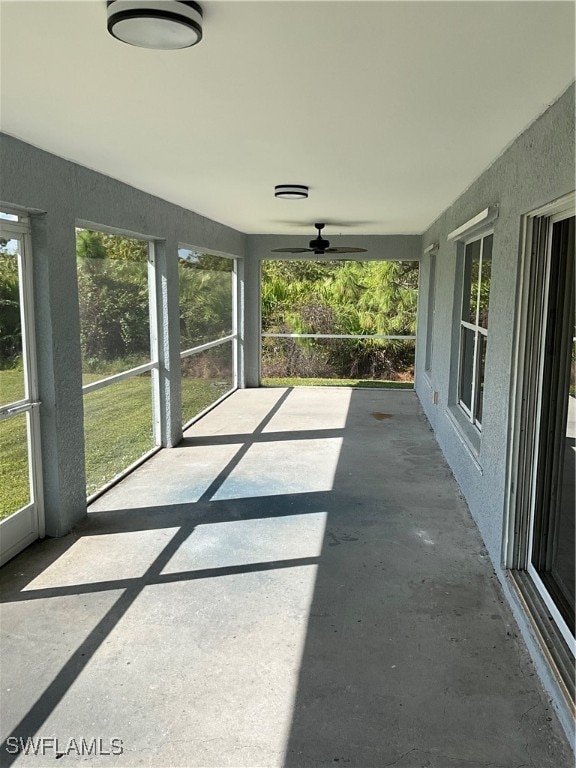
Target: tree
{"points": [[205, 298], [356, 298], [10, 323], [113, 296], [90, 245]]}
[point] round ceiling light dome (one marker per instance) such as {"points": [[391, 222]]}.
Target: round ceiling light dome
{"points": [[291, 191], [160, 24]]}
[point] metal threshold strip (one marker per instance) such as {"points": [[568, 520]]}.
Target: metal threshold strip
{"points": [[548, 634]]}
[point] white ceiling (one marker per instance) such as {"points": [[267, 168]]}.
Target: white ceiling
{"points": [[387, 110]]}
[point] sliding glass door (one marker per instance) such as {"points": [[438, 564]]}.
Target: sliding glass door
{"points": [[552, 541], [541, 543]]}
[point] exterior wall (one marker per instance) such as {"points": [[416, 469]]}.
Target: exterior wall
{"points": [[65, 195], [536, 169]]}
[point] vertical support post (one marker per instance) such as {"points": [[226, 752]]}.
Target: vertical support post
{"points": [[59, 359], [238, 321], [169, 389], [252, 321]]}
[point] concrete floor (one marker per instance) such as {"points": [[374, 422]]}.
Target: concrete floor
{"points": [[298, 584]]}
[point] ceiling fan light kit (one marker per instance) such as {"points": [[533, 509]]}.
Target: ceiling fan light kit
{"points": [[319, 246], [291, 191], [166, 25]]}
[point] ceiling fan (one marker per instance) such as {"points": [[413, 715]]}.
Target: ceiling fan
{"points": [[319, 246]]}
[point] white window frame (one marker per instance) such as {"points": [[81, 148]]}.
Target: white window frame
{"points": [[478, 227], [478, 330]]}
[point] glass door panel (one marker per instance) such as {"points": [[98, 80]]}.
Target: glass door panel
{"points": [[20, 498], [562, 568], [553, 539]]}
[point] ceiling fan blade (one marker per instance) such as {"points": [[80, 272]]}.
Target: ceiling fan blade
{"points": [[346, 250], [290, 250]]}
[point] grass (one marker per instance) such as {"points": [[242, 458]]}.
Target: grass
{"points": [[14, 489], [117, 428], [363, 383], [11, 385], [198, 394]]}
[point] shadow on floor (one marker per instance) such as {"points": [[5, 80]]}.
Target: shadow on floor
{"points": [[399, 650]]}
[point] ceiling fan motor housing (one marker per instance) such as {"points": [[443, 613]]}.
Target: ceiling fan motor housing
{"points": [[319, 245]]}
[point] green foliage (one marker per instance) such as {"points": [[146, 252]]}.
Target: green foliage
{"points": [[340, 297], [10, 328], [113, 296], [205, 298], [90, 245], [121, 248], [337, 297]]}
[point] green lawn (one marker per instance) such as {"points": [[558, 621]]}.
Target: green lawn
{"points": [[363, 383], [117, 427], [14, 491], [118, 422], [198, 394], [11, 386]]}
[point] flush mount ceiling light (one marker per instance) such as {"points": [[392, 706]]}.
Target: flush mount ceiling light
{"points": [[160, 24], [291, 191]]}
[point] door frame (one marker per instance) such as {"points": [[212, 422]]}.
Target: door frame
{"points": [[26, 524], [525, 403]]}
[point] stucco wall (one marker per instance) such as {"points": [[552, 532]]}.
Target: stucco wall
{"points": [[537, 168], [64, 195]]}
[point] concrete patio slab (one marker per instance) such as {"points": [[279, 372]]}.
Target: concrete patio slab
{"points": [[299, 583]]}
